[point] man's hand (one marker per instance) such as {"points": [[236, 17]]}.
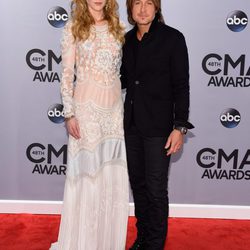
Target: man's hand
{"points": [[73, 128], [174, 142]]}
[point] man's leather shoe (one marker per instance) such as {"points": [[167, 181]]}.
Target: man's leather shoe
{"points": [[138, 244]]}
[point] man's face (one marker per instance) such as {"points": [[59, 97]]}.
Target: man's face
{"points": [[143, 12]]}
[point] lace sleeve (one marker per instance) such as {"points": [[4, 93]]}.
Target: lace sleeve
{"points": [[68, 63]]}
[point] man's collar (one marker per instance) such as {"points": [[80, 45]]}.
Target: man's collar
{"points": [[154, 23]]}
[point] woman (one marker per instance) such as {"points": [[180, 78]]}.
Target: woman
{"points": [[95, 209]]}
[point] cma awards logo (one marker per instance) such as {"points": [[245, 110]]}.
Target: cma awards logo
{"points": [[42, 157], [237, 21], [55, 113], [57, 16], [218, 164], [230, 118], [223, 68], [43, 63]]}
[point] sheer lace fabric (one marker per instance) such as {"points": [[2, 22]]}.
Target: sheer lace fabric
{"points": [[95, 207]]}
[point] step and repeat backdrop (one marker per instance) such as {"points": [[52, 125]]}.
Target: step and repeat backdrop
{"points": [[214, 165]]}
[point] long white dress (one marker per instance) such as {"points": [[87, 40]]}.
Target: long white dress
{"points": [[95, 207]]}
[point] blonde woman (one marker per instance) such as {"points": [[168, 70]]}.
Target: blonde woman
{"points": [[95, 208]]}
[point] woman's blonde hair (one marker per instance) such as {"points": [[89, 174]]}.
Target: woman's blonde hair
{"points": [[157, 4], [82, 20]]}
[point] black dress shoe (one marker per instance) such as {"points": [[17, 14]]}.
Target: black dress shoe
{"points": [[138, 244]]}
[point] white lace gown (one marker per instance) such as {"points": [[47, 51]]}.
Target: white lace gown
{"points": [[95, 206]]}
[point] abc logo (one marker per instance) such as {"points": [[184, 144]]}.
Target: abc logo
{"points": [[55, 113], [57, 16], [237, 21], [230, 118]]}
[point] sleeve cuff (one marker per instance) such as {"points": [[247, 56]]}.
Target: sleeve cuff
{"points": [[185, 124], [68, 114]]}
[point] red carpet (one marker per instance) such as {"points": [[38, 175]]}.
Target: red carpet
{"points": [[36, 232]]}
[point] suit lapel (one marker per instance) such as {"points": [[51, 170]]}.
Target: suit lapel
{"points": [[130, 51]]}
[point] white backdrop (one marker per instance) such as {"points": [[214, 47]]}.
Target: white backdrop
{"points": [[214, 166]]}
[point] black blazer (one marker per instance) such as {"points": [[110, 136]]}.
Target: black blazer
{"points": [[156, 77]]}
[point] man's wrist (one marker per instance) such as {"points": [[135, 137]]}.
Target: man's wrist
{"points": [[183, 130]]}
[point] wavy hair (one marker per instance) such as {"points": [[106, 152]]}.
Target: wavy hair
{"points": [[82, 20], [157, 4]]}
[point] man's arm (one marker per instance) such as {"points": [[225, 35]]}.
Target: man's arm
{"points": [[180, 81]]}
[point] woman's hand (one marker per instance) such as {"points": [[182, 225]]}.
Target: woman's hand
{"points": [[73, 128]]}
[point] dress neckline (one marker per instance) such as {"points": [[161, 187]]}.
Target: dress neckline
{"points": [[99, 28]]}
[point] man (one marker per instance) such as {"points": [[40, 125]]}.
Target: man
{"points": [[155, 73]]}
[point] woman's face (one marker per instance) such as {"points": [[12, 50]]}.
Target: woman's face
{"points": [[96, 5]]}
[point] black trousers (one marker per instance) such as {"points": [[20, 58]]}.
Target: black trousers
{"points": [[148, 173]]}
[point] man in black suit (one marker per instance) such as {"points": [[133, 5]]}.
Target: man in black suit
{"points": [[155, 73]]}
